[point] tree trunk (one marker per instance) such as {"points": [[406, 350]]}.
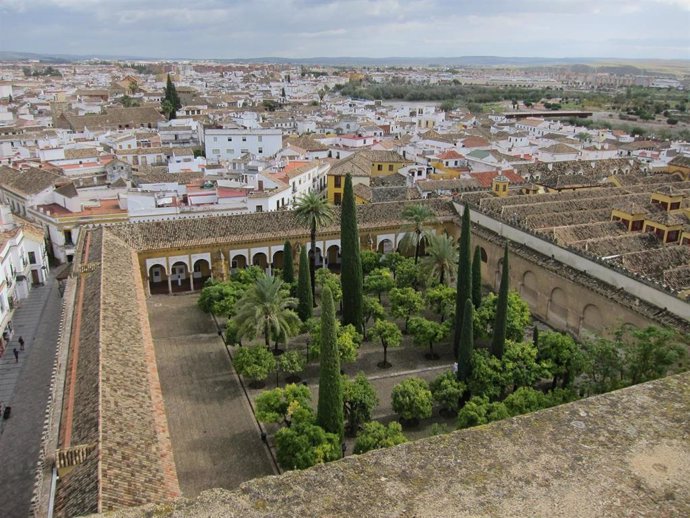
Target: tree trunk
{"points": [[385, 353], [416, 248], [312, 270], [441, 278]]}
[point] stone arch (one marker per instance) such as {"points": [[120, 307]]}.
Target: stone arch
{"points": [[179, 276], [279, 259], [319, 256], [592, 321], [260, 260], [201, 271], [557, 309], [385, 246], [158, 278], [239, 261], [484, 256], [333, 257], [528, 288]]}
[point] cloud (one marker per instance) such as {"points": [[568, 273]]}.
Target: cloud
{"points": [[302, 28]]}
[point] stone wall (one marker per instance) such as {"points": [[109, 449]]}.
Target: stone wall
{"points": [[625, 453]]}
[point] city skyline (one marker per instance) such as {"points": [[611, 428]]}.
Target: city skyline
{"points": [[226, 29]]}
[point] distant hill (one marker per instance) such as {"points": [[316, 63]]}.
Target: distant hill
{"points": [[581, 64]]}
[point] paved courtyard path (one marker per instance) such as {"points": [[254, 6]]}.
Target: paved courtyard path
{"points": [[215, 438], [25, 386]]}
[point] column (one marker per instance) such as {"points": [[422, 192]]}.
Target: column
{"points": [[169, 285], [191, 274]]}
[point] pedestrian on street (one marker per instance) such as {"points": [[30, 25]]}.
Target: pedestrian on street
{"points": [[16, 355], [21, 343]]}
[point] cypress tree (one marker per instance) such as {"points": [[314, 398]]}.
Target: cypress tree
{"points": [[498, 341], [329, 413], [305, 299], [466, 342], [288, 266], [172, 96], [535, 336], [477, 277], [464, 278], [351, 263]]}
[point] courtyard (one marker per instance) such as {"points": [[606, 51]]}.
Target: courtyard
{"points": [[215, 438]]}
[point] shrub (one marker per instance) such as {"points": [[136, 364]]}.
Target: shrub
{"points": [[374, 436], [447, 391], [412, 399], [254, 363]]}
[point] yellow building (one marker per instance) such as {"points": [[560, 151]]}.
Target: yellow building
{"points": [[362, 166], [680, 164], [499, 185]]}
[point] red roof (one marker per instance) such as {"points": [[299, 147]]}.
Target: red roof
{"points": [[475, 142], [450, 154], [485, 179], [229, 192]]}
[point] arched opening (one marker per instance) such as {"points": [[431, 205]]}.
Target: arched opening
{"points": [[179, 277], [592, 320], [158, 279], [557, 310], [528, 288], [483, 255], [385, 246], [201, 272], [260, 260], [319, 257], [279, 259], [238, 262], [333, 257]]}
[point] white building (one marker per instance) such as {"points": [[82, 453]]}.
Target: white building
{"points": [[23, 263], [231, 143]]}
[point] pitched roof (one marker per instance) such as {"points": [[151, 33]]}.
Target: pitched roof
{"points": [[258, 226], [28, 181], [484, 179], [118, 422]]}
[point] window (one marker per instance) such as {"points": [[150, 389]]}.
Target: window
{"points": [[215, 139], [337, 198], [338, 181], [229, 139], [230, 151], [259, 208], [261, 139], [215, 151], [379, 167], [32, 258], [390, 167], [244, 139], [261, 150]]}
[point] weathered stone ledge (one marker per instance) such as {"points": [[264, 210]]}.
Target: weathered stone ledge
{"points": [[626, 453]]}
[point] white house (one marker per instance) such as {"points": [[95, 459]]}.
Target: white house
{"points": [[231, 143]]}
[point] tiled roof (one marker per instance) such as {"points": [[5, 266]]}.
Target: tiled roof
{"points": [[117, 404], [28, 181], [231, 229], [485, 179]]}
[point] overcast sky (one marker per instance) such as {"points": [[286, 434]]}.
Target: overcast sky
{"points": [[309, 28]]}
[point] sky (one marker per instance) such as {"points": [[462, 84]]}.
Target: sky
{"points": [[198, 29]]}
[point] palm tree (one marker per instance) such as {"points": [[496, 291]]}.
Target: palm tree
{"points": [[266, 309], [313, 211], [416, 216], [442, 258]]}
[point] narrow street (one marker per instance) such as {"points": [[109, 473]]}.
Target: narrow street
{"points": [[24, 386]]}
